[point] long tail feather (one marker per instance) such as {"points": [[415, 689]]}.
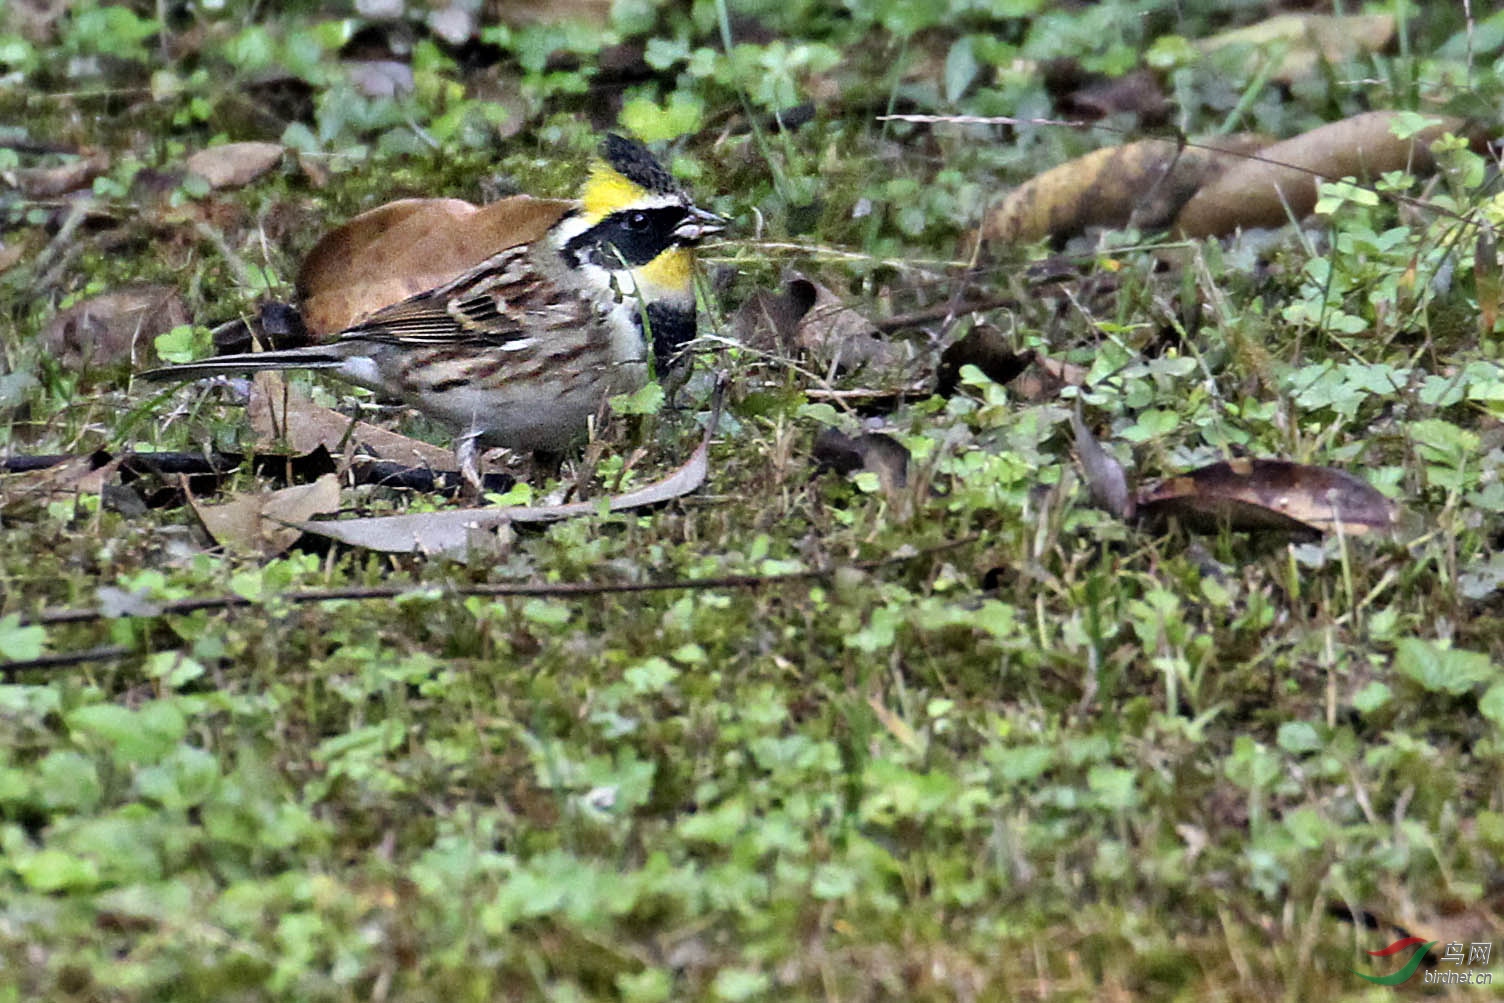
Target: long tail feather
{"points": [[246, 362]]}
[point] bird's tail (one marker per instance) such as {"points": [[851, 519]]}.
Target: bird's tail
{"points": [[247, 362]]}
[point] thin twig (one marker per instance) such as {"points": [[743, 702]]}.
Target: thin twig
{"points": [[54, 615]]}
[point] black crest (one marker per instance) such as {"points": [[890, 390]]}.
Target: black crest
{"points": [[633, 161]]}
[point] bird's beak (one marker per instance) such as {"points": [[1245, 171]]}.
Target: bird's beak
{"points": [[698, 225]]}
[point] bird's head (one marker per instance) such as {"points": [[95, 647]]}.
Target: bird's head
{"points": [[636, 217]]}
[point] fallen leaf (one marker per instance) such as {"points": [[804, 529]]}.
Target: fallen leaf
{"points": [[283, 416], [266, 523], [456, 532], [839, 338], [1301, 42], [233, 165], [407, 247], [1144, 183], [875, 452], [1105, 477], [120, 325], [27, 492], [60, 179], [985, 347], [1282, 181], [1245, 494]]}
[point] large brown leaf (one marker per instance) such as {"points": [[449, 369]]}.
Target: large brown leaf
{"points": [[1281, 182], [407, 247]]}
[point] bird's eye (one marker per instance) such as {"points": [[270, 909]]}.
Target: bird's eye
{"points": [[637, 221]]}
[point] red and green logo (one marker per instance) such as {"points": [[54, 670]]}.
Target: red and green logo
{"points": [[1403, 975]]}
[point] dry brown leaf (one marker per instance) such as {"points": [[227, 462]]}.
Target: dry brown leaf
{"points": [[1303, 41], [1145, 183], [1282, 182], [1256, 494], [1046, 377], [407, 247], [1105, 477], [50, 182], [458, 532], [281, 414], [875, 452], [12, 254], [26, 492], [257, 524], [985, 347], [235, 164], [112, 327], [840, 338]]}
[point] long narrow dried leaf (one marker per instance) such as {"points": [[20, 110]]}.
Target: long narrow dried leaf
{"points": [[1282, 181], [1145, 182], [1302, 41], [1105, 477], [453, 533], [1278, 495]]}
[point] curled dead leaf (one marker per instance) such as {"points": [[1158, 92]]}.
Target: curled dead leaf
{"points": [[985, 347], [1144, 183], [1258, 494], [840, 338], [875, 452], [1105, 477], [1282, 182]]}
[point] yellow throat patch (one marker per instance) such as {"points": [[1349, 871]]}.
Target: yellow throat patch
{"points": [[669, 273], [606, 191]]}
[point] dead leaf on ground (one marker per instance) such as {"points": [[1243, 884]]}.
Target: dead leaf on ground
{"points": [[805, 316], [257, 524], [284, 416], [985, 347], [1258, 494], [768, 319], [1105, 477], [232, 165], [1282, 183], [1137, 93], [407, 247], [458, 532], [875, 452], [1144, 183], [120, 325], [841, 338], [59, 179], [27, 492], [1046, 377], [1302, 42]]}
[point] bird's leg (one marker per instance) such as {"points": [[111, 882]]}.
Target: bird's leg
{"points": [[467, 452]]}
